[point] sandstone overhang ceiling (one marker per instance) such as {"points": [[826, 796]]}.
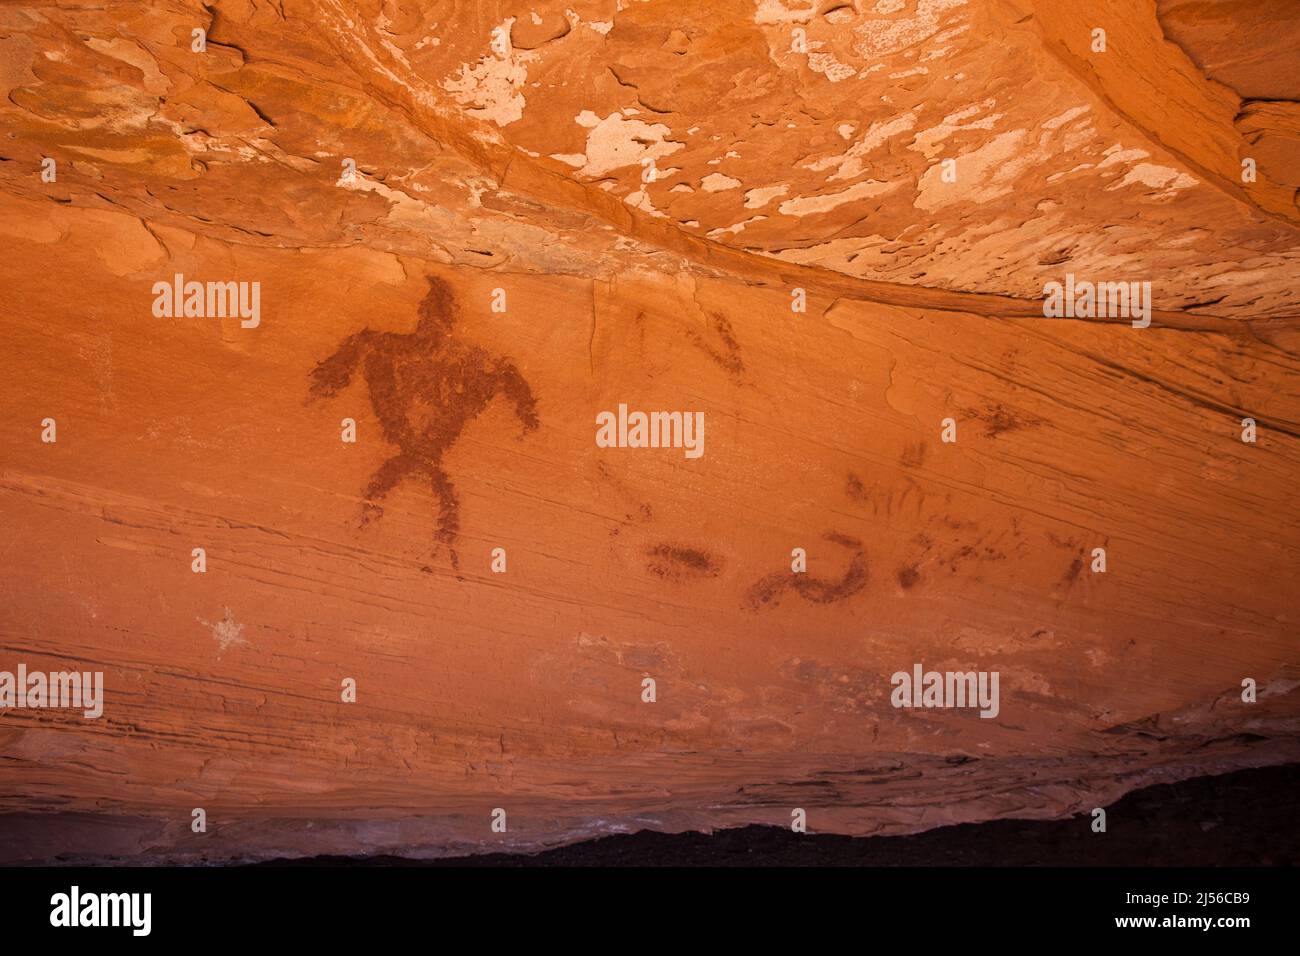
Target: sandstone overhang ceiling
{"points": [[571, 136]]}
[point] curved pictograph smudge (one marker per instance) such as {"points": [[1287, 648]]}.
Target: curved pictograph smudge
{"points": [[679, 564], [728, 358], [855, 489], [425, 387], [769, 590], [998, 419]]}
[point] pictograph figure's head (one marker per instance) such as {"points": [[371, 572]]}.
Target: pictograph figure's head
{"points": [[437, 310]]}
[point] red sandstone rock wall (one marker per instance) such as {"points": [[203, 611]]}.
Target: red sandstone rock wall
{"points": [[567, 280]]}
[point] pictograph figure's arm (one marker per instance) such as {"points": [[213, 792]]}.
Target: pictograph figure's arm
{"points": [[333, 374], [514, 387]]}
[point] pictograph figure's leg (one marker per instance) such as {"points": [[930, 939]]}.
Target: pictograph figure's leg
{"points": [[448, 512], [384, 480]]}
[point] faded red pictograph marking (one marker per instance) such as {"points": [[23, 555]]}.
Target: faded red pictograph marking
{"points": [[425, 387]]}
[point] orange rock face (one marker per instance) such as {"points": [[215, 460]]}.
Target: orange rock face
{"points": [[588, 417]]}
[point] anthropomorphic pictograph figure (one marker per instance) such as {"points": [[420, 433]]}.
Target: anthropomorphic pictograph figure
{"points": [[425, 387]]}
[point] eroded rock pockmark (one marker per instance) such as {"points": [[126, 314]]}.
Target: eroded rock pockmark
{"points": [[770, 589], [226, 632], [425, 387]]}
